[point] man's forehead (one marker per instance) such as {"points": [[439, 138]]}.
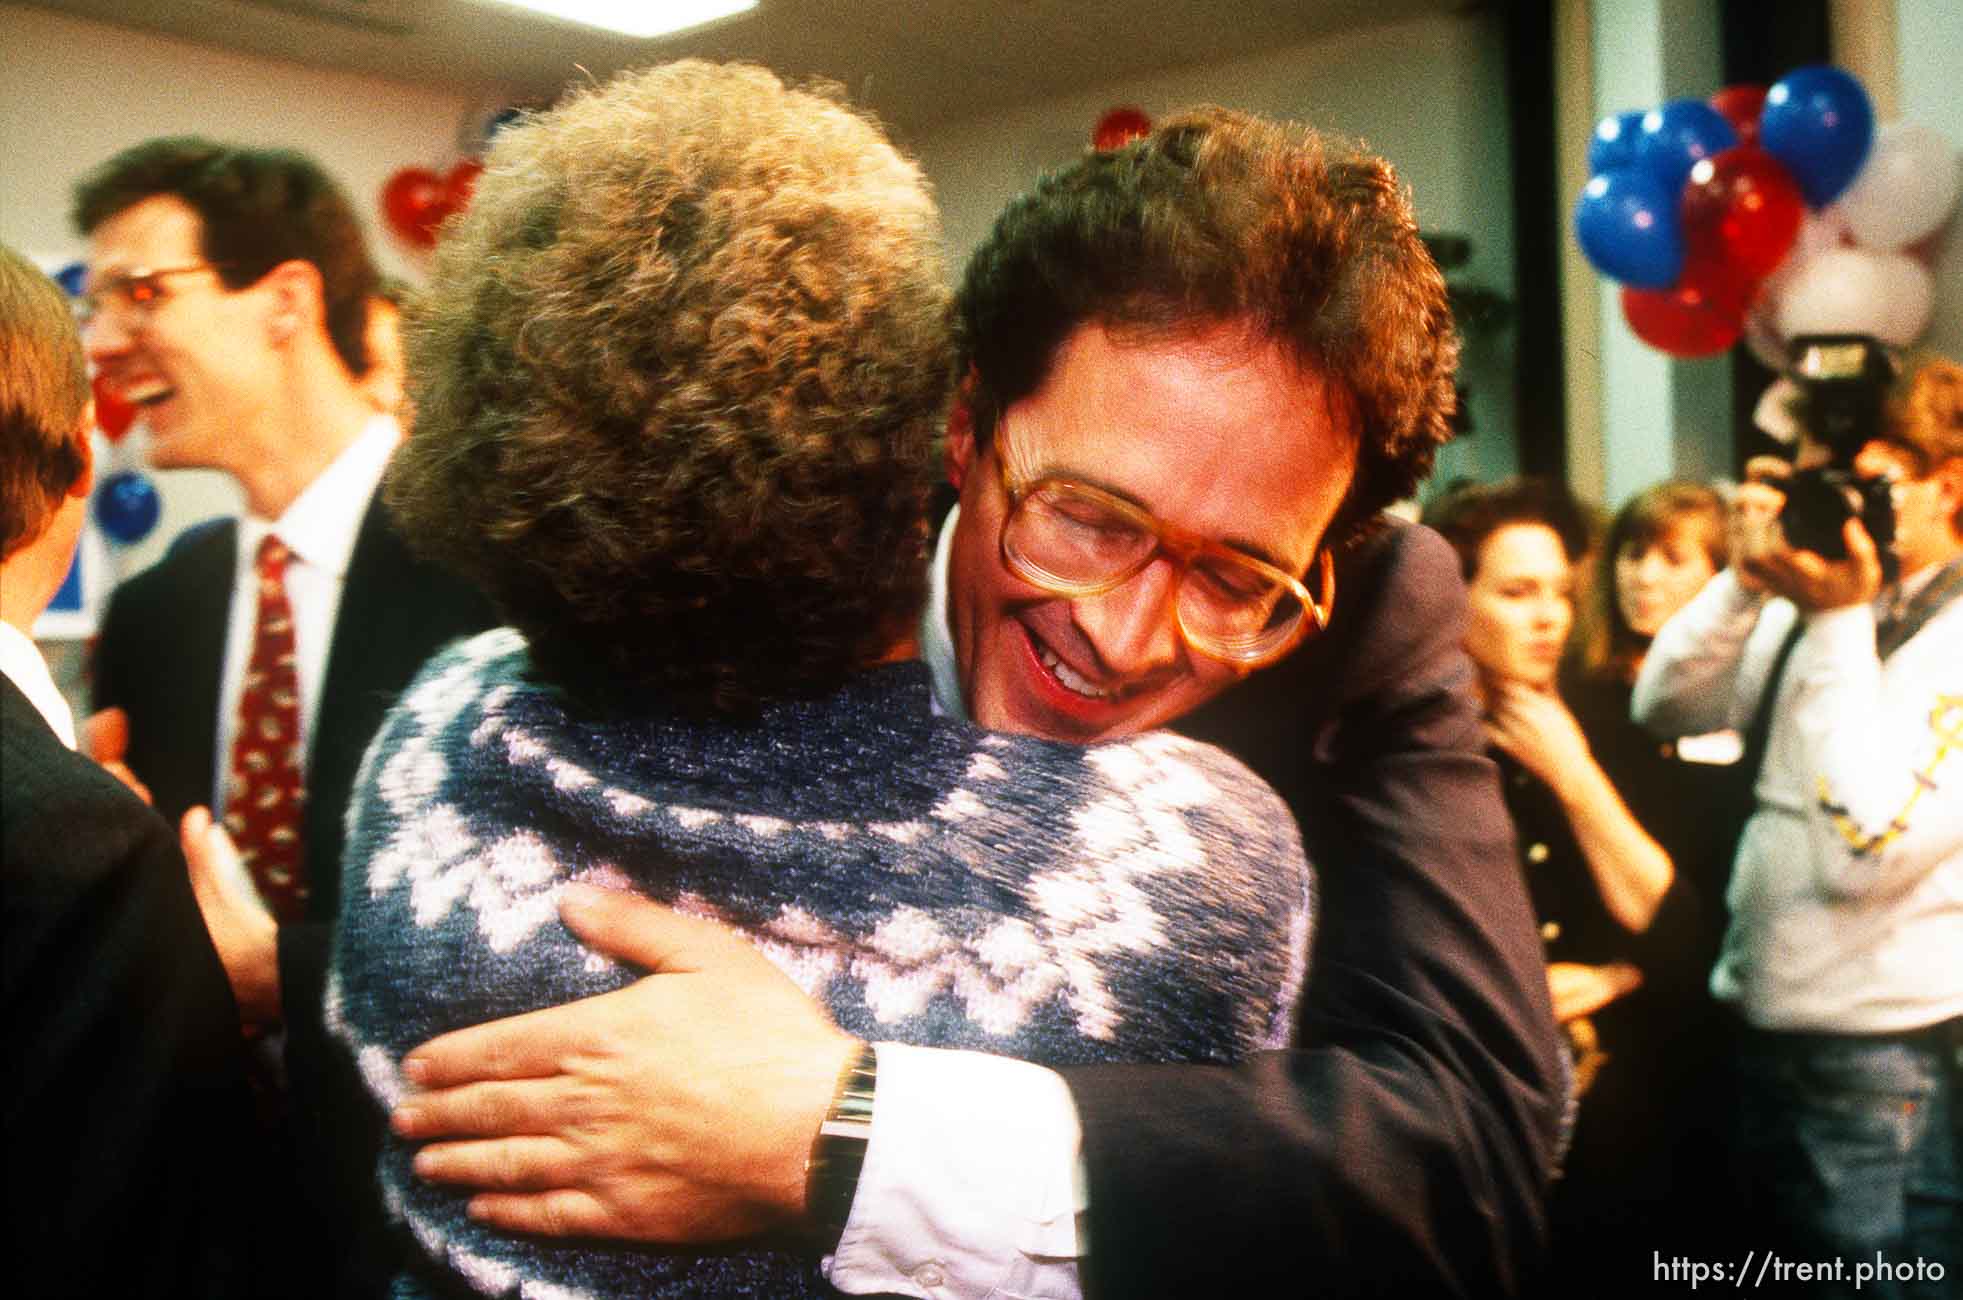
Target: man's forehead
{"points": [[156, 231], [1219, 432]]}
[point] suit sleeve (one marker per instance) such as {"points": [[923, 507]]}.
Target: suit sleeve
{"points": [[1404, 1145], [126, 1111]]}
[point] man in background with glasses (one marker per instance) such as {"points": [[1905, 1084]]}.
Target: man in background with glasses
{"points": [[246, 672], [1196, 369]]}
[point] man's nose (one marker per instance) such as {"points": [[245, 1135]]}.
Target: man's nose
{"points": [[1133, 626], [106, 334]]}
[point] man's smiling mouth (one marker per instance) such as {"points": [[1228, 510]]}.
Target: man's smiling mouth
{"points": [[147, 392], [1068, 676]]}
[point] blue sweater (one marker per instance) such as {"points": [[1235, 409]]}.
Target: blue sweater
{"points": [[931, 882]]}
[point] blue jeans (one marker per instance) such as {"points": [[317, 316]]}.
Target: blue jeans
{"points": [[1853, 1146]]}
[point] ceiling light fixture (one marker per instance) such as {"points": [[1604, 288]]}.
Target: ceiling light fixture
{"points": [[638, 18]]}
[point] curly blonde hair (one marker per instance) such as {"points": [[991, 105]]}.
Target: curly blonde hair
{"points": [[678, 377], [1926, 416]]}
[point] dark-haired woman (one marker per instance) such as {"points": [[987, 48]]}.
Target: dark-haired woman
{"points": [[1629, 936]]}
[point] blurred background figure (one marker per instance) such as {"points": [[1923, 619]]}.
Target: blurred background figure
{"points": [[123, 1107], [1625, 933], [1661, 548], [1843, 956], [227, 296]]}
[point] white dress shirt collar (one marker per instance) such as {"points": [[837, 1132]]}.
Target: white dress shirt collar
{"points": [[321, 524], [21, 661], [936, 641], [320, 528]]}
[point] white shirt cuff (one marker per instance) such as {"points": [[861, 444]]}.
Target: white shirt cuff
{"points": [[971, 1185]]}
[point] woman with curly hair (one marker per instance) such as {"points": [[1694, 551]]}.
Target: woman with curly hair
{"points": [[678, 378]]}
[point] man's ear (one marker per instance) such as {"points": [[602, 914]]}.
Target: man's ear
{"points": [[961, 431], [298, 299]]}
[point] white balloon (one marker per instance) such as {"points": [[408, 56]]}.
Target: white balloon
{"points": [[1819, 232], [1859, 291], [1762, 334], [1905, 189]]}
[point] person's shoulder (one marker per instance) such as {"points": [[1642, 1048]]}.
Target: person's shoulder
{"points": [[1398, 564], [65, 821], [1167, 771], [465, 671]]}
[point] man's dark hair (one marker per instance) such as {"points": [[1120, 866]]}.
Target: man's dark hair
{"points": [[256, 209], [1218, 217], [44, 385]]}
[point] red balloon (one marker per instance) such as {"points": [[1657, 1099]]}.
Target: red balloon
{"points": [[416, 200], [462, 183], [1741, 105], [1741, 206], [1702, 316], [113, 415], [1119, 127]]}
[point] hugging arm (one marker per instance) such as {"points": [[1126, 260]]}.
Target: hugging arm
{"points": [[1403, 1146]]}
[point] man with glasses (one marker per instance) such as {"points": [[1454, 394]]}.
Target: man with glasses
{"points": [[1196, 369], [227, 298]]}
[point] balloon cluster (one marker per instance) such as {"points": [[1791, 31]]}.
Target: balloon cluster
{"points": [[1767, 214], [417, 201]]}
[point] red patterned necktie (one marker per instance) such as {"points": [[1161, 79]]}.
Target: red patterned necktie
{"points": [[264, 798]]}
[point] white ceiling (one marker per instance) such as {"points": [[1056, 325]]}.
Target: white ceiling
{"points": [[916, 62]]}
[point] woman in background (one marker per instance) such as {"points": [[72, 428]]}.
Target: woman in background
{"points": [[1626, 932], [1662, 547]]}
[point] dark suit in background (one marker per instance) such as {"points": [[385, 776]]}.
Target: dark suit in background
{"points": [[127, 1123], [1406, 1150], [159, 657]]}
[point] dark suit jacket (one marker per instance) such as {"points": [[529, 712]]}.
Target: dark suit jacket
{"points": [[162, 649], [124, 1116], [159, 656], [1403, 1148]]}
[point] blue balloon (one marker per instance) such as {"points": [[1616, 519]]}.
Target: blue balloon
{"points": [[1614, 143], [1676, 137], [71, 278], [127, 506], [1627, 224], [1818, 122]]}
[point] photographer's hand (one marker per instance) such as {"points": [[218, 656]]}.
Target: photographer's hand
{"points": [[1752, 518], [1815, 583]]}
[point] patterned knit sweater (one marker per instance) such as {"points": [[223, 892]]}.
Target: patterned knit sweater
{"points": [[930, 882]]}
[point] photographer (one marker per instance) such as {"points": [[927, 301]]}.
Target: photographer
{"points": [[1844, 957]]}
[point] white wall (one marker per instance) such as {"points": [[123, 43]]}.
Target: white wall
{"points": [[1659, 417], [1428, 94], [73, 92], [1929, 36]]}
